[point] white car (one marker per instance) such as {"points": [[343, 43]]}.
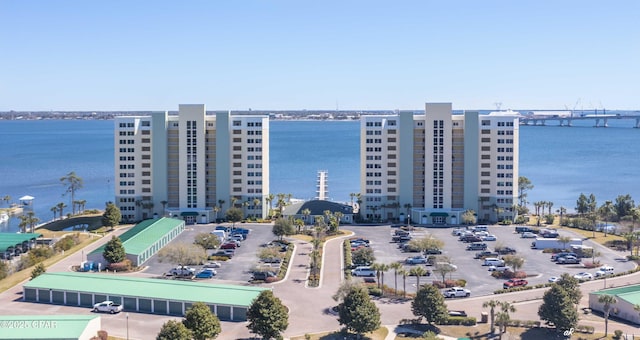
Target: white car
{"points": [[456, 292], [528, 234], [498, 268], [489, 237], [604, 271], [583, 276], [212, 265], [554, 279]]}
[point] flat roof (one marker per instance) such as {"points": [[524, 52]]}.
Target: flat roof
{"points": [[44, 326], [630, 294], [175, 290], [12, 239], [144, 234]]}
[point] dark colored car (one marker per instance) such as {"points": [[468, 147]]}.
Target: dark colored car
{"points": [[477, 246], [506, 250], [262, 276], [470, 239], [521, 229], [483, 254], [229, 245], [433, 251]]}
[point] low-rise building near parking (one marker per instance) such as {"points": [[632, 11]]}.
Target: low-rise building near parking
{"points": [[156, 296], [628, 297], [52, 327]]}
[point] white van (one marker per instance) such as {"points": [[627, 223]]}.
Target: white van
{"points": [[480, 228], [604, 271], [363, 271], [493, 261]]}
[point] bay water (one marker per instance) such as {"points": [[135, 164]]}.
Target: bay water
{"points": [[561, 162]]}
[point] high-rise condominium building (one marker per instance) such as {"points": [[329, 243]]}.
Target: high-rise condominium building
{"points": [[435, 166], [192, 165]]}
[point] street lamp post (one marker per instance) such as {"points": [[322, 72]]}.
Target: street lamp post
{"points": [[127, 315]]}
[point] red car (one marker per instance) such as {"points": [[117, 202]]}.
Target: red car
{"points": [[514, 283], [229, 246]]}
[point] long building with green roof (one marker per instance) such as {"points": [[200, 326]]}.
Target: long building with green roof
{"points": [[12, 244], [144, 240], [627, 298], [156, 296], [50, 327]]}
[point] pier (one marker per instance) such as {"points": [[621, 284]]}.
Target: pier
{"points": [[601, 120]]}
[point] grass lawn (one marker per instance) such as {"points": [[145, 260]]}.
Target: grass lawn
{"points": [[25, 274], [378, 334], [481, 332]]}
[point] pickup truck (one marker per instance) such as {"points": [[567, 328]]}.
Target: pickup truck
{"points": [[107, 307], [514, 283], [456, 292]]}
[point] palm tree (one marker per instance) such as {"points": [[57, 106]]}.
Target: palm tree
{"points": [[504, 317], [607, 211], [61, 207], [220, 203], [607, 301], [492, 304], [404, 274], [73, 183], [378, 269], [418, 272], [383, 268], [216, 209], [54, 209], [306, 213], [233, 201], [396, 266], [256, 204], [28, 220], [549, 205], [338, 215], [269, 200]]}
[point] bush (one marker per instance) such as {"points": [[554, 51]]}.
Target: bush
{"points": [[123, 266], [65, 243], [374, 291], [617, 334], [459, 320]]}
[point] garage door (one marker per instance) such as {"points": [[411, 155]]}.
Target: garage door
{"points": [[30, 295], [130, 304], [144, 305], [44, 295], [72, 298], [175, 308], [58, 297], [86, 300], [239, 314], [160, 306], [224, 313]]}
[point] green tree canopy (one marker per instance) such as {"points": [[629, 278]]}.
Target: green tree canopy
{"points": [[111, 216], [182, 253], [429, 304], [234, 215], [207, 241], [267, 316], [114, 250], [202, 322], [524, 185], [363, 256], [283, 227], [174, 330], [358, 313], [558, 308], [38, 270]]}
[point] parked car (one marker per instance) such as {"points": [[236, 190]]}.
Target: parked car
{"points": [[568, 260], [583, 276], [557, 256], [206, 274], [528, 234], [554, 279], [433, 251], [225, 252], [604, 271], [416, 260], [229, 245], [223, 228], [409, 248], [523, 229], [107, 307], [182, 271], [359, 239], [262, 276], [477, 246], [402, 238], [493, 261], [484, 254], [363, 271], [505, 250], [470, 239], [272, 260], [212, 265], [456, 292], [514, 283], [498, 268], [489, 237], [459, 313], [236, 237]]}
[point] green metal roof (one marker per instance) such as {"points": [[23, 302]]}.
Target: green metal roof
{"points": [[12, 239], [144, 234], [630, 294], [44, 326], [147, 288]]}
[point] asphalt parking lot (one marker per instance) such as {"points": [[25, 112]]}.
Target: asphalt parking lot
{"points": [[479, 280], [237, 269]]}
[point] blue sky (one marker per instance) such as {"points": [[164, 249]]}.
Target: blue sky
{"points": [[275, 55]]}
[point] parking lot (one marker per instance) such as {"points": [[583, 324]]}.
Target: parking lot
{"points": [[236, 270], [537, 265]]}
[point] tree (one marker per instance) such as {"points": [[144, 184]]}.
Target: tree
{"points": [[234, 215], [557, 307], [207, 241], [358, 313], [267, 316], [174, 330], [54, 210], [418, 272], [114, 250], [513, 261], [73, 183], [404, 273], [283, 227], [524, 185], [444, 267], [182, 253], [202, 323], [429, 304], [111, 216], [38, 270], [468, 217], [623, 205], [363, 256], [4, 270], [607, 301], [607, 211], [28, 220], [571, 286], [492, 304], [306, 213], [396, 266], [582, 205], [503, 317]]}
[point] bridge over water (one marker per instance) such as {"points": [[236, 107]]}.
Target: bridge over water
{"points": [[601, 120]]}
